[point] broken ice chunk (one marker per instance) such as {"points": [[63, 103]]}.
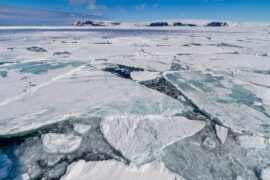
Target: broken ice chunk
{"points": [[140, 138], [265, 173], [252, 142], [208, 142], [22, 177], [60, 143], [221, 132], [81, 128], [100, 170], [144, 75]]}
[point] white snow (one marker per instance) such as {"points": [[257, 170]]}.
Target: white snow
{"points": [[252, 142], [221, 132], [60, 143], [101, 170], [140, 138]]}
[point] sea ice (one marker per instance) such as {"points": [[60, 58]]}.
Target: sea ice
{"points": [[81, 128], [221, 132], [144, 75], [100, 170], [248, 141], [228, 101], [140, 138], [60, 143], [83, 91], [265, 174]]}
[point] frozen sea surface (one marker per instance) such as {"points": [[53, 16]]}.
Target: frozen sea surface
{"points": [[137, 103]]}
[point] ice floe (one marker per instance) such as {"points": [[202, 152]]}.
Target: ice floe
{"points": [[140, 138], [222, 133], [256, 142], [100, 170], [144, 76], [265, 173], [89, 92], [225, 100], [81, 128], [60, 143]]}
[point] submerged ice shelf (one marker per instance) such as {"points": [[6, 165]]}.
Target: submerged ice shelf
{"points": [[135, 104]]}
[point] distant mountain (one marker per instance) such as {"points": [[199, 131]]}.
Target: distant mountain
{"points": [[96, 23], [178, 23]]}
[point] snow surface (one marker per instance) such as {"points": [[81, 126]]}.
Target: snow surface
{"points": [[101, 170]]}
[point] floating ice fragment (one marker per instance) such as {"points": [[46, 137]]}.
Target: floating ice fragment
{"points": [[221, 132], [81, 128], [144, 75], [139, 138], [265, 173], [208, 142], [252, 141], [60, 143], [24, 176], [100, 170]]}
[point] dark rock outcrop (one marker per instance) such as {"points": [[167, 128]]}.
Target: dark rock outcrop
{"points": [[158, 24], [216, 24], [96, 23]]}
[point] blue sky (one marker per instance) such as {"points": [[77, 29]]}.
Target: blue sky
{"points": [[63, 12]]}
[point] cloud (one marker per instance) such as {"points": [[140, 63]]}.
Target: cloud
{"points": [[92, 4], [141, 6], [14, 16]]}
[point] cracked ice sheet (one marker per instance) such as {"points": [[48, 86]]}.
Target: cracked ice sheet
{"points": [[140, 138], [82, 91], [19, 83], [100, 170], [148, 62], [241, 106]]}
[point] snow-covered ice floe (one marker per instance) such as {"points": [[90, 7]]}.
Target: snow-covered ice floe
{"points": [[140, 138], [101, 170]]}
